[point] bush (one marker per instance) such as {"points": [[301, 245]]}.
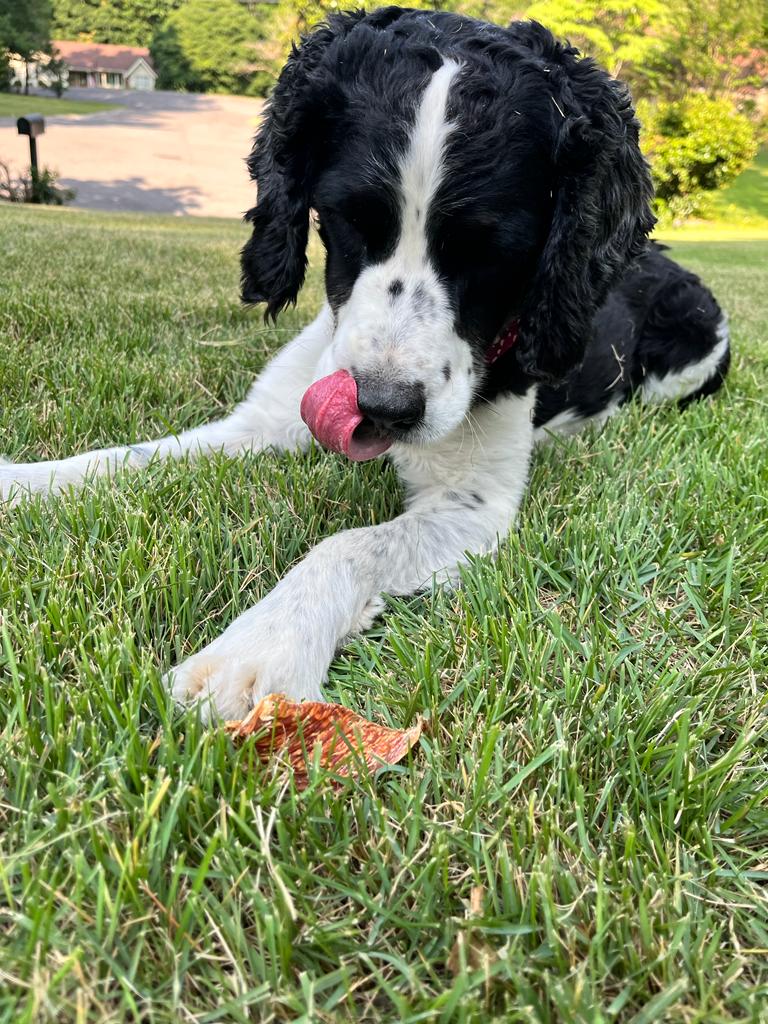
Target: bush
{"points": [[695, 146], [36, 187]]}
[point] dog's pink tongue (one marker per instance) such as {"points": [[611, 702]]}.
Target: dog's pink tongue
{"points": [[329, 408]]}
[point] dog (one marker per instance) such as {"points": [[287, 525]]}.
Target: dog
{"points": [[485, 209]]}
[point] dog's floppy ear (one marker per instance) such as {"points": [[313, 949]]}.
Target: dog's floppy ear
{"points": [[601, 215], [283, 163]]}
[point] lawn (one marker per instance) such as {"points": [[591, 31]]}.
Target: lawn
{"points": [[738, 212], [595, 759], [746, 198], [17, 105]]}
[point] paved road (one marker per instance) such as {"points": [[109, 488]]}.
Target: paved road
{"points": [[161, 152]]}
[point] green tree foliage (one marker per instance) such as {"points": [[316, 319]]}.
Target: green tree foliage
{"points": [[5, 73], [210, 46], [621, 34], [133, 22], [5, 32], [662, 47], [695, 146], [704, 46], [57, 72], [25, 27]]}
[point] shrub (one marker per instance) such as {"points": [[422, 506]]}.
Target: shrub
{"points": [[36, 187], [695, 146]]}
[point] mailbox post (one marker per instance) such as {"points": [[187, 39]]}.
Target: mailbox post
{"points": [[32, 125]]}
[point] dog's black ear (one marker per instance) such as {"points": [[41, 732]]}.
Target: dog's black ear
{"points": [[601, 215], [283, 163]]}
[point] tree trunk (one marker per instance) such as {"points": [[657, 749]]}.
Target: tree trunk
{"points": [[26, 77]]}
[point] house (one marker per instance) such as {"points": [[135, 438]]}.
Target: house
{"points": [[95, 65], [107, 65]]}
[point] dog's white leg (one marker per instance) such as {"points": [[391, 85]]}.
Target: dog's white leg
{"points": [[463, 494], [269, 417]]}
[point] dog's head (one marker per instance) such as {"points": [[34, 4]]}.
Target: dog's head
{"points": [[468, 180]]}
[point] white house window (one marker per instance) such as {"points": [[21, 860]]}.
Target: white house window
{"points": [[113, 79]]}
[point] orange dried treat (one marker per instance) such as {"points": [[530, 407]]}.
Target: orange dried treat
{"points": [[346, 740]]}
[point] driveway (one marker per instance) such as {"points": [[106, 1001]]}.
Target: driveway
{"points": [[161, 152]]}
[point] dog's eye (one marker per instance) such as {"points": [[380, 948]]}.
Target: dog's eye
{"points": [[483, 243], [478, 243], [369, 226], [334, 226], [332, 218]]}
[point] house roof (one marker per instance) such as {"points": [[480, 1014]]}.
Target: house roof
{"points": [[100, 56]]}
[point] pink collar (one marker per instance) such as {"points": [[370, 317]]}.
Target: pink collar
{"points": [[503, 343]]}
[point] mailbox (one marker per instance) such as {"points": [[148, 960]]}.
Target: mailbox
{"points": [[31, 125]]}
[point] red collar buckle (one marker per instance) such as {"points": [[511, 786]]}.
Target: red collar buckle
{"points": [[503, 343]]}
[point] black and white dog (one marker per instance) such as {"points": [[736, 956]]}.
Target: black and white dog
{"points": [[484, 208]]}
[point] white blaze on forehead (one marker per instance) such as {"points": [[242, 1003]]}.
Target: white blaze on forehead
{"points": [[398, 323], [421, 168]]}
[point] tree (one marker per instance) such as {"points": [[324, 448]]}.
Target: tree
{"points": [[5, 71], [705, 44], [26, 29], [209, 46], [623, 35], [5, 68], [662, 47], [174, 71], [55, 75], [133, 22]]}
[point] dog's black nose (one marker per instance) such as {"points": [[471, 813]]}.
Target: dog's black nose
{"points": [[391, 408]]}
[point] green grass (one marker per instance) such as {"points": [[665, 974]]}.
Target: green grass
{"points": [[746, 198], [595, 757], [13, 105], [737, 213]]}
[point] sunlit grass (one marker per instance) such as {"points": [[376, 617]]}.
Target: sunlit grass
{"points": [[595, 756], [18, 105], [746, 197], [738, 213]]}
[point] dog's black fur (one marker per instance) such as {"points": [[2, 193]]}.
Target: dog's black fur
{"points": [[543, 215]]}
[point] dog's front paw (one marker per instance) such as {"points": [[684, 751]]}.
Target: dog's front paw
{"points": [[254, 657]]}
